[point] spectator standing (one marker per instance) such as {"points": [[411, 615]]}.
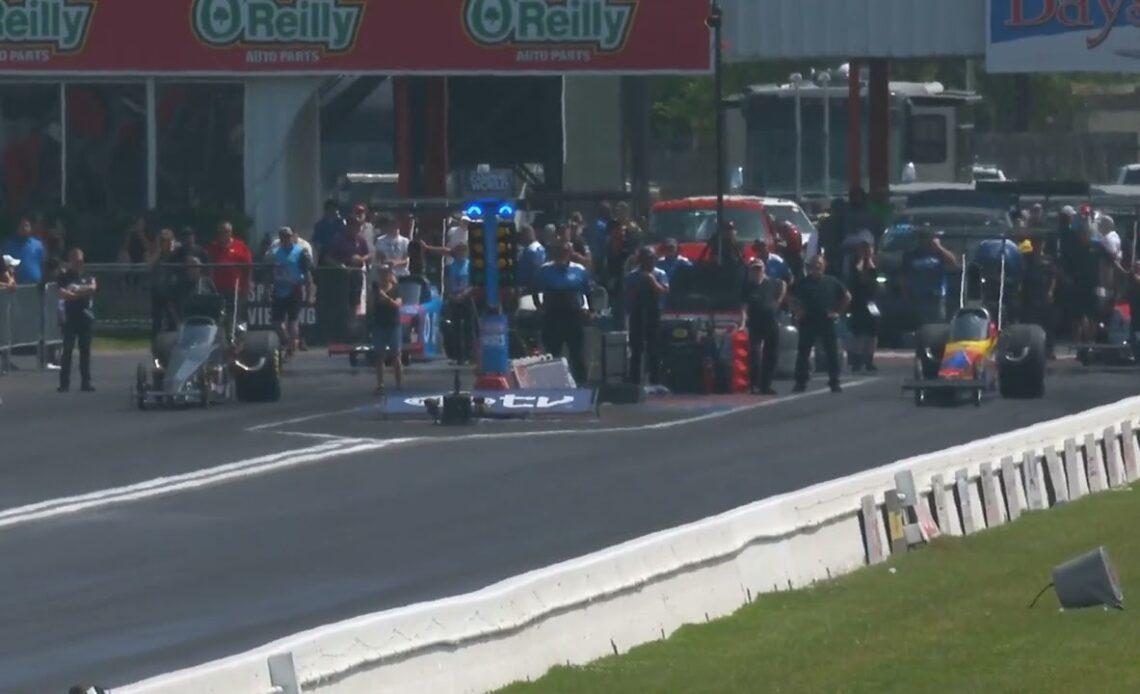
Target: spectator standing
{"points": [[924, 273], [863, 278], [233, 279], [360, 224], [599, 235], [29, 250], [387, 331], [135, 243], [327, 232], [196, 283], [352, 254], [164, 283], [1085, 259], [761, 297], [1038, 287], [579, 251], [532, 257], [188, 248], [672, 260], [560, 294], [775, 266], [392, 248], [291, 273], [77, 291], [460, 305], [645, 288], [819, 301]]}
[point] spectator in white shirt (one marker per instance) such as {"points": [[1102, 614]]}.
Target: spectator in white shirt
{"points": [[391, 247]]}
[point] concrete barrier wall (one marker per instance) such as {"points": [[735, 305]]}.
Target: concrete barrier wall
{"points": [[643, 590]]}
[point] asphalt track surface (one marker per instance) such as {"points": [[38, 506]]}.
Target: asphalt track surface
{"points": [[335, 513]]}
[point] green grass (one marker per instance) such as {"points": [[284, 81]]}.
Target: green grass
{"points": [[952, 618], [120, 343]]}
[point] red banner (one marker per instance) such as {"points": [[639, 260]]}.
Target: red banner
{"points": [[353, 36]]}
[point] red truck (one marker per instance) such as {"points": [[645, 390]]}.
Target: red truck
{"points": [[691, 221]]}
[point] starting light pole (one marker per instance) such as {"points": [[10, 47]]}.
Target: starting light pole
{"points": [[496, 218]]}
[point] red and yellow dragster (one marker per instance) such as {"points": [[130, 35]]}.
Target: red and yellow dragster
{"points": [[972, 356]]}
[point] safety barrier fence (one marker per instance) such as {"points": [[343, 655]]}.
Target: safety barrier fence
{"points": [[645, 589], [29, 321]]}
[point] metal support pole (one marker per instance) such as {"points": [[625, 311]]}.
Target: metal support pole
{"points": [[151, 145], [63, 144], [825, 82], [797, 79], [714, 22]]}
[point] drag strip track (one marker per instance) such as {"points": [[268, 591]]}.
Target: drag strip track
{"points": [[119, 591]]}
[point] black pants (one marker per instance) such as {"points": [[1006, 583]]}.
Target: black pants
{"points": [[823, 332], [644, 346], [460, 322], [1045, 316], [76, 332], [163, 315], [764, 339], [562, 328]]}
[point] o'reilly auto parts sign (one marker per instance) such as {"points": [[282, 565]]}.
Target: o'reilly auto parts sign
{"points": [[330, 24], [381, 37], [1063, 36], [603, 25]]}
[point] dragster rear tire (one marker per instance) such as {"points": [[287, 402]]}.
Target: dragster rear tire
{"points": [[1023, 379], [930, 338], [263, 385]]}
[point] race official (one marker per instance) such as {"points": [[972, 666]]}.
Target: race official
{"points": [[819, 301], [760, 300], [459, 305], [646, 288], [1038, 288], [77, 291], [560, 294], [291, 274], [924, 275]]}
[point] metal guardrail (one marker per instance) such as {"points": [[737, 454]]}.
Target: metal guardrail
{"points": [[29, 319]]}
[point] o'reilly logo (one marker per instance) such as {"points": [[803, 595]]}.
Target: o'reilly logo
{"points": [[333, 24], [62, 24], [602, 23]]}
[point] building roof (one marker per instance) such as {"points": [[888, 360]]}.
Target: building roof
{"points": [[806, 29]]}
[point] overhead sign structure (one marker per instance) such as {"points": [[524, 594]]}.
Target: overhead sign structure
{"points": [[209, 37], [1063, 36]]}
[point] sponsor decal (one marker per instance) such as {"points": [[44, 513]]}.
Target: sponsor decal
{"points": [[60, 24], [508, 401], [330, 24], [1099, 17], [601, 24]]}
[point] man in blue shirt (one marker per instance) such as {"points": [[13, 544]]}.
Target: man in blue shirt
{"points": [[560, 294], [459, 307], [672, 260], [531, 258], [290, 277], [30, 252], [328, 232], [924, 274], [645, 289]]}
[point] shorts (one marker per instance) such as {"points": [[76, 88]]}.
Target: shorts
{"points": [[388, 338], [286, 309]]}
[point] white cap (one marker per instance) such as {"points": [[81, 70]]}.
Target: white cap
{"points": [[11, 262], [1069, 210]]}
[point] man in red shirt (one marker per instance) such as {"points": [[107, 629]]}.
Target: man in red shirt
{"points": [[232, 282]]}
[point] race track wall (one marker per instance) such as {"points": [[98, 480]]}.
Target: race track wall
{"points": [[643, 590]]}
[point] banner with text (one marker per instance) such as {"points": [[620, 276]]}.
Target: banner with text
{"points": [[353, 36], [1063, 36]]}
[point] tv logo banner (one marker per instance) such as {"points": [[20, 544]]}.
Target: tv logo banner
{"points": [[1063, 36]]}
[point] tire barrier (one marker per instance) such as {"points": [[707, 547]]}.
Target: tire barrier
{"points": [[645, 589]]}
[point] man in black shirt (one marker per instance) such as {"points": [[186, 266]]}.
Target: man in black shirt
{"points": [[1038, 285], [819, 301], [760, 305], [76, 289], [645, 288]]}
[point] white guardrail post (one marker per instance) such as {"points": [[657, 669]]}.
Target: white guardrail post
{"points": [[645, 589]]}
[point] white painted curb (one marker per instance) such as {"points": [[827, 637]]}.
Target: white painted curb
{"points": [[643, 590]]}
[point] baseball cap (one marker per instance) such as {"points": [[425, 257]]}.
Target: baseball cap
{"points": [[11, 262], [1069, 211], [360, 208]]}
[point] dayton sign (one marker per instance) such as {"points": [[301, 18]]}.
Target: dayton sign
{"points": [[1063, 36], [227, 37]]}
